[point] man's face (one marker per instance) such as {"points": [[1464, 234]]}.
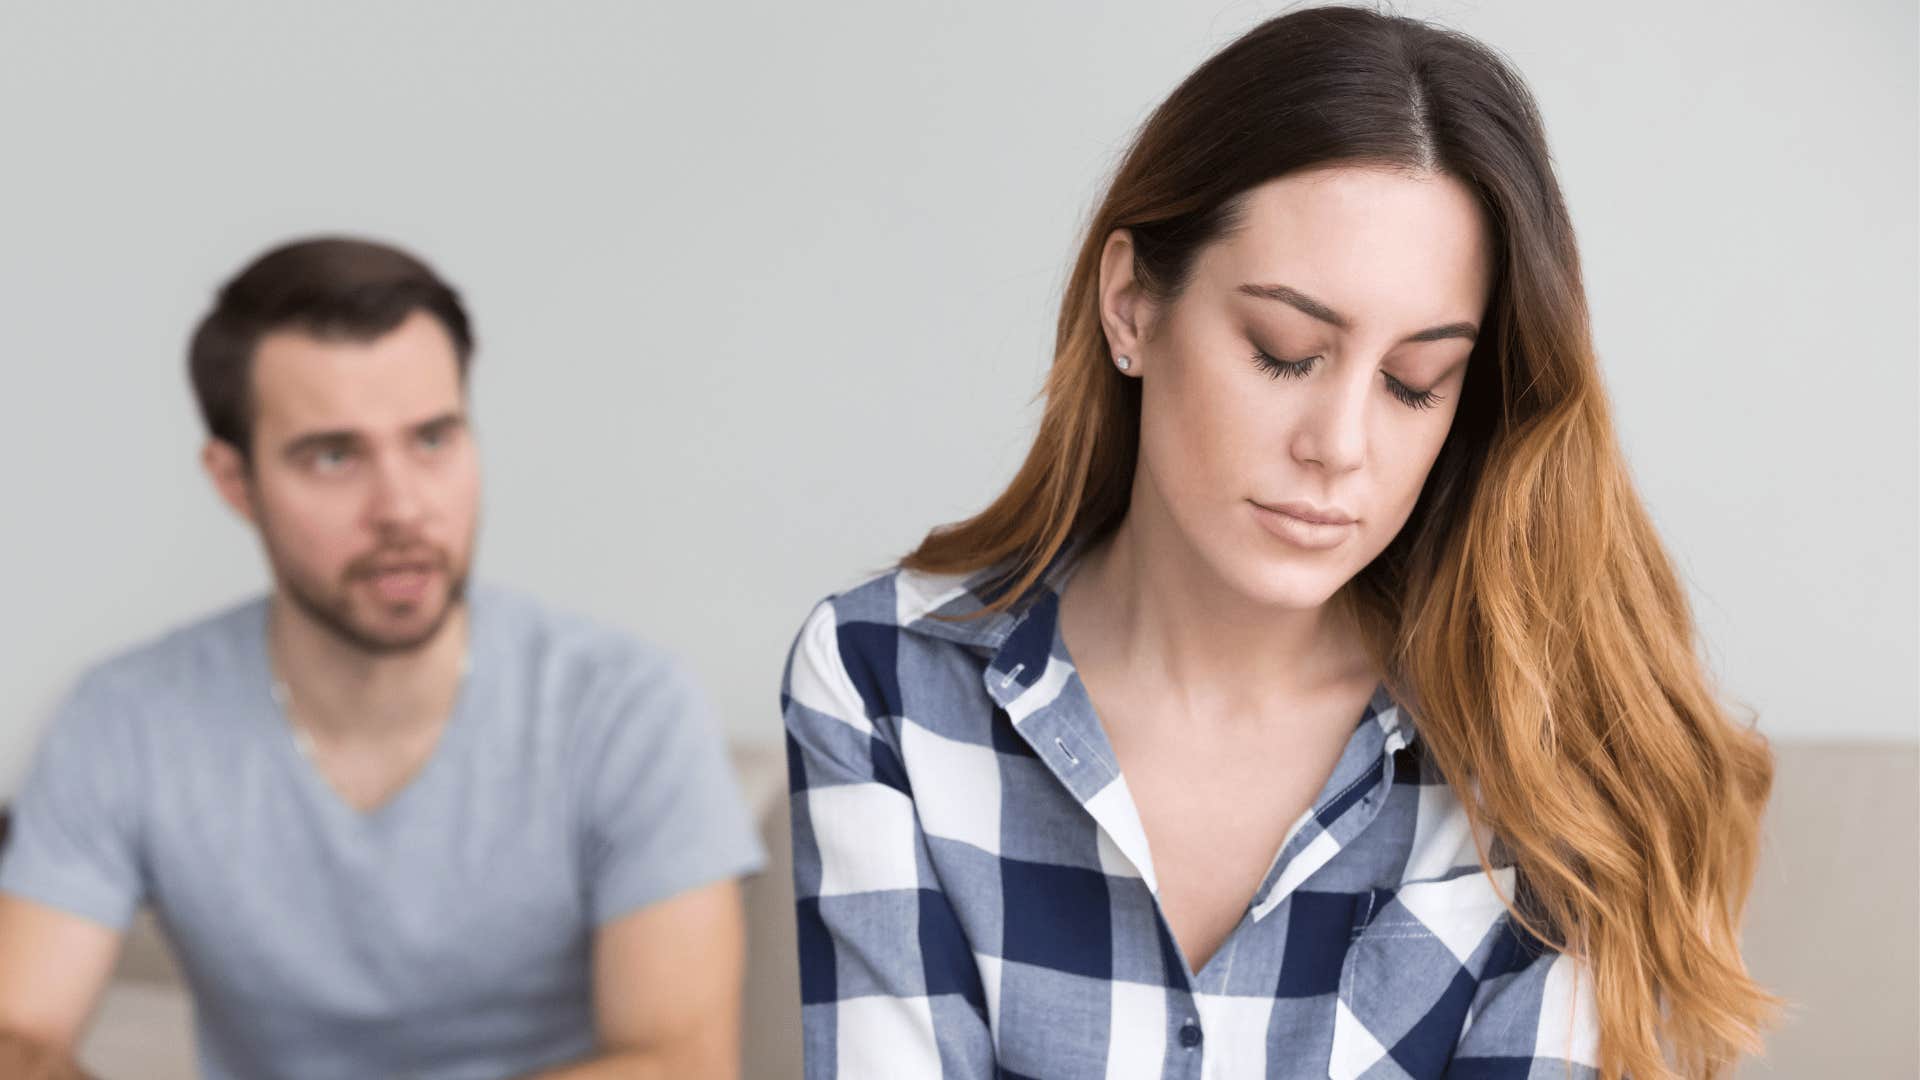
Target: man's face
{"points": [[364, 484]]}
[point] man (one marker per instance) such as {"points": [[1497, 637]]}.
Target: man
{"points": [[393, 826]]}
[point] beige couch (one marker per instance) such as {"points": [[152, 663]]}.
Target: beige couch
{"points": [[1832, 927]]}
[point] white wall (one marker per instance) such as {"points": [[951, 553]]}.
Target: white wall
{"points": [[765, 290]]}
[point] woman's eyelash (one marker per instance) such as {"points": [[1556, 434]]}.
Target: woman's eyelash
{"points": [[1275, 368], [1419, 399]]}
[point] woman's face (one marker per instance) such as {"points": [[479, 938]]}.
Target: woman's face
{"points": [[1296, 392]]}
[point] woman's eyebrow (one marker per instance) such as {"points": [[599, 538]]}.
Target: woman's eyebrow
{"points": [[1295, 298]]}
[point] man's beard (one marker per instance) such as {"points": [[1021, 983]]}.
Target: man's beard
{"points": [[333, 609]]}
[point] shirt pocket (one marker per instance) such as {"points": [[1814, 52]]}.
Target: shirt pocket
{"points": [[1411, 973]]}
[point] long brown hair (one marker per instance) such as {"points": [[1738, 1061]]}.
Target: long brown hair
{"points": [[1526, 613]]}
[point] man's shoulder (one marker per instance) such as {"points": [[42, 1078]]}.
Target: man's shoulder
{"points": [[575, 655], [519, 619], [182, 678], [195, 654]]}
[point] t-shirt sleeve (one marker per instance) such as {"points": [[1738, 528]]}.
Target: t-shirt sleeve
{"points": [[663, 811], [73, 840]]}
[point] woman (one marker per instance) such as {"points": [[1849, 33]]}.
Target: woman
{"points": [[1318, 700]]}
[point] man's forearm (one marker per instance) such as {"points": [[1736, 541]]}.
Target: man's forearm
{"points": [[638, 1065], [23, 1058], [621, 1064]]}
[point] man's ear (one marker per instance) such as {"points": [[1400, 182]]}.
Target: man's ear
{"points": [[1126, 312], [231, 475]]}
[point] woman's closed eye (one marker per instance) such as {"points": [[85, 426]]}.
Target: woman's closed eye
{"points": [[1276, 368]]}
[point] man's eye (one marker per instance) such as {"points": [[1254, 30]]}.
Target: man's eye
{"points": [[331, 459], [436, 438]]}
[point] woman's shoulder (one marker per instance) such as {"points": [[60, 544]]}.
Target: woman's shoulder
{"points": [[893, 645], [904, 601]]}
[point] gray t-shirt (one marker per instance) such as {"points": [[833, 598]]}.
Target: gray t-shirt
{"points": [[446, 933]]}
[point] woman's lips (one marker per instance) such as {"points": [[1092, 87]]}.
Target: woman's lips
{"points": [[1301, 532], [1306, 511]]}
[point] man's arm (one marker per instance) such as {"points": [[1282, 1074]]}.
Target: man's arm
{"points": [[666, 836], [53, 968], [69, 880], [666, 990]]}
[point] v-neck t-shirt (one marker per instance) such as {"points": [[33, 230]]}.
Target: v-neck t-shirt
{"points": [[445, 933]]}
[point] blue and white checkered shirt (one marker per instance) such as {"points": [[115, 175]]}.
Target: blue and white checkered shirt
{"points": [[976, 897]]}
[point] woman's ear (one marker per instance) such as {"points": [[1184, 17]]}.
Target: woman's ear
{"points": [[1125, 310]]}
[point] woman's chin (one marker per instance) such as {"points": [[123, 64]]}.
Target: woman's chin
{"points": [[1284, 584]]}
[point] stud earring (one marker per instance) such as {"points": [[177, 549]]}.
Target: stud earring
{"points": [[1124, 363]]}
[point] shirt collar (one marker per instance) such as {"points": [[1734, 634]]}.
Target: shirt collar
{"points": [[954, 608], [1032, 679], [1020, 636]]}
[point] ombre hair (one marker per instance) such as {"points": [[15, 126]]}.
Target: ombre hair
{"points": [[1526, 613]]}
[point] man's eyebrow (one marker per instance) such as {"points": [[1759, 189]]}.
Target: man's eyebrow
{"points": [[452, 418], [320, 440], [1294, 298], [347, 438]]}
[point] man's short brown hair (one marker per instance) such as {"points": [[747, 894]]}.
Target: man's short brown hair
{"points": [[330, 287]]}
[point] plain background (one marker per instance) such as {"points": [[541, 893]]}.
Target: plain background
{"points": [[766, 290]]}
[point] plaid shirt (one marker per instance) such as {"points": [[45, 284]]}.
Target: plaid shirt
{"points": [[976, 897]]}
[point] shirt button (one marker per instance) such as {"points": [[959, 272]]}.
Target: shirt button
{"points": [[1190, 1035]]}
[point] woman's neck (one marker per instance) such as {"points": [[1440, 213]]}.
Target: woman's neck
{"points": [[1146, 604]]}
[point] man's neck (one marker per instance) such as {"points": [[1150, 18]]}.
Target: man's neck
{"points": [[341, 691]]}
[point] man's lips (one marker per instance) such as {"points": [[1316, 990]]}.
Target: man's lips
{"points": [[401, 568], [400, 584]]}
